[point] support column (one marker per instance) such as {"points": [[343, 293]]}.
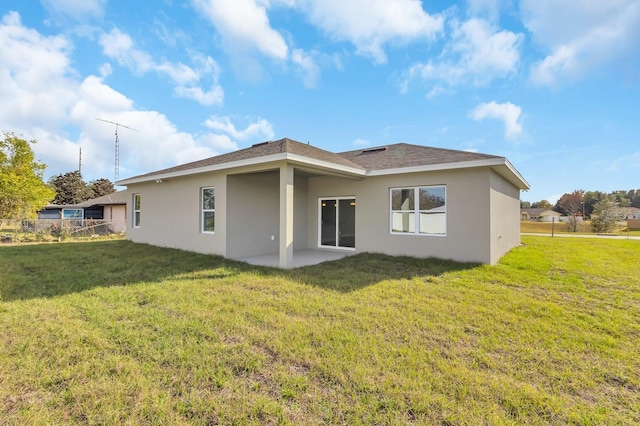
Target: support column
{"points": [[286, 215]]}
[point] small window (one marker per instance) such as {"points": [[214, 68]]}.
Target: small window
{"points": [[419, 210], [208, 216], [136, 210]]}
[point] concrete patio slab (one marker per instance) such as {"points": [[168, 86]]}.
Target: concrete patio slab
{"points": [[300, 258]]}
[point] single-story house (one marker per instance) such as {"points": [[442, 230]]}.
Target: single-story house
{"points": [[627, 212], [540, 214], [111, 208], [284, 197]]}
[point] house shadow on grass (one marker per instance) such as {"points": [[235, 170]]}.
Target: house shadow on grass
{"points": [[352, 273], [49, 270]]}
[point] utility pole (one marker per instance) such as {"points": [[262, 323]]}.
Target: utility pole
{"points": [[117, 162]]}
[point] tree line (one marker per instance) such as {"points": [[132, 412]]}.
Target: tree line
{"points": [[588, 200], [603, 209], [23, 191]]}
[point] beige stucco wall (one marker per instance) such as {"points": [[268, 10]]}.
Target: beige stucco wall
{"points": [[246, 220], [117, 215], [170, 214], [505, 217], [468, 218], [253, 203], [482, 213]]}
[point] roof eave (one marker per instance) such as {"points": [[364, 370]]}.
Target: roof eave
{"points": [[500, 164]]}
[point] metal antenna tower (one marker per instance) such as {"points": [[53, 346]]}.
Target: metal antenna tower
{"points": [[117, 165]]}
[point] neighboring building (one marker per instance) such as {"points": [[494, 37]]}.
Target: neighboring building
{"points": [[627, 212], [540, 215], [279, 198], [54, 211], [111, 208]]}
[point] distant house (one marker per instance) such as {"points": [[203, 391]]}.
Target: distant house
{"points": [[625, 213], [111, 208], [284, 199], [540, 215]]}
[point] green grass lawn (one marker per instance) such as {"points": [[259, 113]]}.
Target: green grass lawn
{"points": [[119, 333]]}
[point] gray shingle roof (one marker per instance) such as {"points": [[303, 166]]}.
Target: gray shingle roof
{"points": [[396, 156], [260, 150], [406, 155], [118, 197]]}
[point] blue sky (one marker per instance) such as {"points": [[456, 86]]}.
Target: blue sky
{"points": [[552, 86]]}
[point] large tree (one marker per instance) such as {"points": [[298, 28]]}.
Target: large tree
{"points": [[542, 204], [590, 198], [70, 188], [571, 205], [100, 187], [605, 214], [22, 191]]}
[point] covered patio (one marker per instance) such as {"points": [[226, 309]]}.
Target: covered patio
{"points": [[268, 216]]}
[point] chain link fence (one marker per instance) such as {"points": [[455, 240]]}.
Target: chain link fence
{"points": [[32, 230]]}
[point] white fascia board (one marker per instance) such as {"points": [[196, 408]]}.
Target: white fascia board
{"points": [[501, 162], [243, 163], [438, 167], [524, 184]]}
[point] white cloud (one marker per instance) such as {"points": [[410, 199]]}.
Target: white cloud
{"points": [[261, 128], [209, 97], [244, 25], [361, 142], [119, 46], [306, 66], [34, 76], [43, 98], [507, 112], [76, 8], [372, 24], [105, 70], [477, 53], [630, 161], [598, 33], [486, 8]]}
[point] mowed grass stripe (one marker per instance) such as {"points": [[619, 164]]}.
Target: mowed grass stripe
{"points": [[122, 333]]}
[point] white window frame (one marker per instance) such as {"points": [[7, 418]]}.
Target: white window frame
{"points": [[72, 218], [416, 211], [322, 200], [203, 210], [136, 217]]}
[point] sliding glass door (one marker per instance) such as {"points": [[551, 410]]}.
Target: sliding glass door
{"points": [[337, 222]]}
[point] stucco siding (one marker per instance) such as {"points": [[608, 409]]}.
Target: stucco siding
{"points": [[253, 214], [117, 214], [482, 213], [505, 217], [170, 214], [467, 237]]}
